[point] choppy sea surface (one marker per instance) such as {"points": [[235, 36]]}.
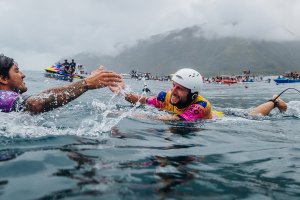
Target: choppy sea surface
{"points": [[99, 147]]}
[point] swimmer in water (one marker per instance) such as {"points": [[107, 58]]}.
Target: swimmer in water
{"points": [[146, 89], [12, 87], [184, 100]]}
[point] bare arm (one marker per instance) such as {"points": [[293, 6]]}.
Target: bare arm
{"points": [[60, 96], [265, 108], [166, 117], [134, 98], [55, 97], [130, 97], [169, 117]]}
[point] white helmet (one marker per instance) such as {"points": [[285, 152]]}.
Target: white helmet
{"points": [[189, 78]]}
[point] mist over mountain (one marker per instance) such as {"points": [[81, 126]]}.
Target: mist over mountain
{"points": [[211, 55]]}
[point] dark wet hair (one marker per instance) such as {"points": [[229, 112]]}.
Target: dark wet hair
{"points": [[5, 64]]}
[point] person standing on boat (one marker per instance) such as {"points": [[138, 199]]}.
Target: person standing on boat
{"points": [[72, 67], [66, 68], [184, 101], [12, 87]]}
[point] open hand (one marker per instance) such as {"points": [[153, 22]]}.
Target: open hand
{"points": [[102, 78], [120, 86]]}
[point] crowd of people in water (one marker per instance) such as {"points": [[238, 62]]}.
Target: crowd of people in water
{"points": [[221, 79], [231, 79], [147, 76]]}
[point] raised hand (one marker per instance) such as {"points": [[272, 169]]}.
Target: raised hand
{"points": [[120, 86], [102, 78]]}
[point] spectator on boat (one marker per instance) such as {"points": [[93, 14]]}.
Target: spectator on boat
{"points": [[12, 87], [72, 67], [66, 68], [58, 65], [184, 100]]}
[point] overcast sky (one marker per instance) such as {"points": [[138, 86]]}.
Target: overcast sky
{"points": [[39, 32]]}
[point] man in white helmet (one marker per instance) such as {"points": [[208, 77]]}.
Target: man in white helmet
{"points": [[184, 101]]}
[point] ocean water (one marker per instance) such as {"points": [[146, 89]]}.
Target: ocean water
{"points": [[99, 147]]}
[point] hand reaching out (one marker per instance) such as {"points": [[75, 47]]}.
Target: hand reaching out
{"points": [[102, 78], [118, 88]]}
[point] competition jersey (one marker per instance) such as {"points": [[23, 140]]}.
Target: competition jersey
{"points": [[200, 108], [10, 101]]}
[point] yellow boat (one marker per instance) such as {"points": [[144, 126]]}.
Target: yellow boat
{"points": [[55, 70]]}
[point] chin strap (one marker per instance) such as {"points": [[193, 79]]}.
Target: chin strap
{"points": [[194, 96]]}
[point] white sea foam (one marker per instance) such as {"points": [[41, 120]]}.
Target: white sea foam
{"points": [[294, 108]]}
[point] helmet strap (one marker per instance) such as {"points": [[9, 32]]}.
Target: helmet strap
{"points": [[194, 95]]}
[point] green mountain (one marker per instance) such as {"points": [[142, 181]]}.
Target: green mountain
{"points": [[165, 53]]}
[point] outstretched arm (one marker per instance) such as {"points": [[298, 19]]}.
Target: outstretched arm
{"points": [[130, 97], [134, 98], [169, 117], [265, 108], [60, 96]]}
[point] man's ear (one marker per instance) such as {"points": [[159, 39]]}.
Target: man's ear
{"points": [[3, 80]]}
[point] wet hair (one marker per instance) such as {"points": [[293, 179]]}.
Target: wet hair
{"points": [[5, 64]]}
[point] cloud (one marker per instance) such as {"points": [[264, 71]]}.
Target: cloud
{"points": [[267, 19], [37, 33]]}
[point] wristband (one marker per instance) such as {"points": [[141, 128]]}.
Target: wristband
{"points": [[274, 101]]}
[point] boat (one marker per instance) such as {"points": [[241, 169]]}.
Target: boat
{"points": [[288, 77], [286, 80], [227, 79], [247, 79], [54, 71], [58, 76]]}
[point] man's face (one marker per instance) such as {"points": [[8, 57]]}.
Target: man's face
{"points": [[15, 80], [179, 94]]}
